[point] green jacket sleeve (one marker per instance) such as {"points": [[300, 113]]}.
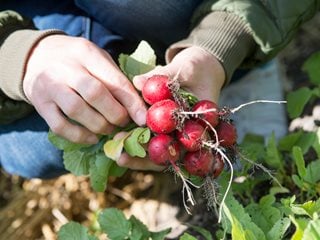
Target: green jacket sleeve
{"points": [[270, 24], [17, 38]]}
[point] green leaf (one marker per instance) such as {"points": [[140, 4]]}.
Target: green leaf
{"points": [[74, 231], [300, 225], [113, 148], [114, 224], [299, 160], [205, 233], [273, 156], [316, 144], [160, 235], [264, 214], [77, 161], [116, 170], [279, 229], [297, 100], [142, 60], [139, 230], [308, 208], [99, 172], [132, 144], [243, 228], [306, 141], [312, 231], [63, 144], [311, 66], [313, 169], [287, 142], [187, 236], [297, 180]]}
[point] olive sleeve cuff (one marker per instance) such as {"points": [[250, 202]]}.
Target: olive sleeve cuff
{"points": [[14, 53], [222, 34]]}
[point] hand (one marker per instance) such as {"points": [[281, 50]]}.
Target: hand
{"points": [[198, 72], [69, 78]]}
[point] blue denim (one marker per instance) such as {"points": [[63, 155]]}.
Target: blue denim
{"points": [[116, 26]]}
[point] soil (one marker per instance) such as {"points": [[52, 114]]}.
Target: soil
{"points": [[36, 209]]}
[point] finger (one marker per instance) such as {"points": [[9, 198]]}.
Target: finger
{"points": [[140, 80], [95, 93], [136, 163], [103, 68], [62, 127], [74, 107]]}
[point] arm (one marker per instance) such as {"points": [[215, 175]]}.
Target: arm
{"points": [[17, 36]]}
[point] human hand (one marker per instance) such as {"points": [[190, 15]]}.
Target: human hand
{"points": [[71, 78], [198, 72]]}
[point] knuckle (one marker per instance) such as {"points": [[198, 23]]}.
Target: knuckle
{"points": [[94, 92], [58, 127], [73, 108]]}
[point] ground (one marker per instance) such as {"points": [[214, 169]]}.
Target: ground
{"points": [[35, 209]]}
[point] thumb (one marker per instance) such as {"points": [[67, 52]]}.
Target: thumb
{"points": [[139, 81]]}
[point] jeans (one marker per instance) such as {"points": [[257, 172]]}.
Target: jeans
{"points": [[116, 26]]}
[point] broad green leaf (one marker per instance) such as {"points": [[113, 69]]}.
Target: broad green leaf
{"points": [[297, 100], [187, 236], [114, 224], [77, 162], [279, 229], [300, 225], [313, 170], [311, 66], [308, 208], [116, 170], [113, 148], [99, 172], [264, 214], [273, 157], [242, 226], [74, 231], [142, 60], [139, 230], [297, 180], [205, 233], [299, 160], [312, 231], [63, 144], [161, 235], [306, 141], [132, 144], [316, 144], [287, 142]]}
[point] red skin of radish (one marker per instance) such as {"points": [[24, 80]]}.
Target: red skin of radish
{"points": [[211, 117], [156, 89], [192, 135], [163, 150], [227, 134], [217, 165], [199, 163], [160, 116]]}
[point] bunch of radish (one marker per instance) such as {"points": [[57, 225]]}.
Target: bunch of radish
{"points": [[186, 134]]}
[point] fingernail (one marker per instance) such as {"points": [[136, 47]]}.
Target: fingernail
{"points": [[141, 117]]}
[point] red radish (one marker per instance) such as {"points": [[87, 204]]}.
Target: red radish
{"points": [[163, 149], [211, 117], [227, 134], [156, 89], [192, 135], [198, 163], [217, 165], [160, 117]]}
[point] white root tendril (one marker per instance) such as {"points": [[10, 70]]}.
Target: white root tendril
{"points": [[263, 168], [233, 110], [253, 102], [186, 189]]}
